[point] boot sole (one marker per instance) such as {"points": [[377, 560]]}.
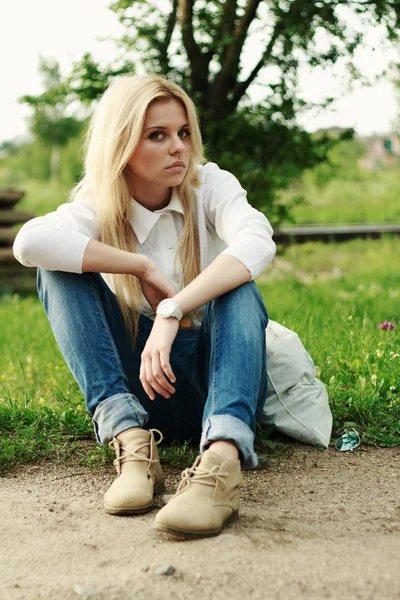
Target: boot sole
{"points": [[179, 533], [140, 510], [129, 511]]}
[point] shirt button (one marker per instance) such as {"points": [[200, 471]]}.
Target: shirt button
{"points": [[164, 216]]}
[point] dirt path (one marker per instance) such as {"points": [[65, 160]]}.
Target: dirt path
{"points": [[314, 525]]}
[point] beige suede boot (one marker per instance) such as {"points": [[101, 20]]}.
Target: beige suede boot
{"points": [[207, 498], [139, 473]]}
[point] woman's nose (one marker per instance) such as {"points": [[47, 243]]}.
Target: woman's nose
{"points": [[177, 144]]}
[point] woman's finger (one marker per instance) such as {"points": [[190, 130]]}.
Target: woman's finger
{"points": [[146, 386], [159, 375], [150, 379], [166, 365]]}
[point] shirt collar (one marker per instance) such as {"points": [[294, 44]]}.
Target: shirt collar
{"points": [[142, 219]]}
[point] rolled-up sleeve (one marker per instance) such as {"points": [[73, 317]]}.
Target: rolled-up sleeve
{"points": [[57, 241], [245, 230]]}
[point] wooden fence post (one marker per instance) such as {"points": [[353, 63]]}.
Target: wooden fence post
{"points": [[13, 276]]}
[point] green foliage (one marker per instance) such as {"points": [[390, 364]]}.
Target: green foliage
{"points": [[9, 148], [211, 36], [271, 156], [342, 162], [201, 46], [49, 120], [31, 161], [341, 191], [42, 199], [54, 131], [88, 81], [28, 160]]}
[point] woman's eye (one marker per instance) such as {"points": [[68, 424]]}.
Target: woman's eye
{"points": [[161, 135], [157, 135]]}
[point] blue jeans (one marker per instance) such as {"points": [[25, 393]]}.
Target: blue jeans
{"points": [[220, 368]]}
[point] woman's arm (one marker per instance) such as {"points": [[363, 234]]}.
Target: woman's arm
{"points": [[224, 274], [67, 240], [100, 258], [245, 230], [57, 241]]}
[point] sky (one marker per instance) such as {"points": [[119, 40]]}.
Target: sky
{"points": [[65, 30]]}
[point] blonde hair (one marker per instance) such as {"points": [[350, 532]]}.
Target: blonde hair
{"points": [[114, 132]]}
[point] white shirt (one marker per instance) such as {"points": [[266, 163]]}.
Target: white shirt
{"points": [[226, 221]]}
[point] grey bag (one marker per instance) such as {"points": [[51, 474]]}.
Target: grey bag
{"points": [[297, 402]]}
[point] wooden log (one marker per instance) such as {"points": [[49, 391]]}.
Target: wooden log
{"points": [[18, 284], [13, 217], [14, 277], [8, 202], [7, 257], [9, 270], [332, 233], [7, 236], [10, 197]]}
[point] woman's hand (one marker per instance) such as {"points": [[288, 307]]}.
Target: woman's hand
{"points": [[155, 285], [155, 370]]}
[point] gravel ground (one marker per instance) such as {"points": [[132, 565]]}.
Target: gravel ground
{"points": [[313, 525]]}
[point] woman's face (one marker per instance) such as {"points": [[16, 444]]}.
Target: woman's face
{"points": [[161, 158]]}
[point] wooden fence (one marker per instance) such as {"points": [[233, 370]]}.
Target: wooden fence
{"points": [[331, 233], [13, 276]]}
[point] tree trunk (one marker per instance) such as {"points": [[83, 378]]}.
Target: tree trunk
{"points": [[54, 162]]}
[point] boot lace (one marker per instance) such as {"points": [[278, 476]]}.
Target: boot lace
{"points": [[132, 455], [198, 474]]}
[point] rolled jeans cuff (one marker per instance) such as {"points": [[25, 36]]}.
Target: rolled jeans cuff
{"points": [[117, 413], [226, 427]]}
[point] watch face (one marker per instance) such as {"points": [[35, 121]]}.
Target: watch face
{"points": [[167, 308]]}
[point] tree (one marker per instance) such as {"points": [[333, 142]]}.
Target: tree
{"points": [[49, 121], [201, 44], [211, 37]]}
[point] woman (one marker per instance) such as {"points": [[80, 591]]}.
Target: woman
{"points": [[146, 278]]}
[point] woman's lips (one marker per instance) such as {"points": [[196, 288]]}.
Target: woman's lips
{"points": [[177, 167]]}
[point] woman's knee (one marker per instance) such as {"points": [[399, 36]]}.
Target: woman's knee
{"points": [[60, 283], [50, 280], [243, 303]]}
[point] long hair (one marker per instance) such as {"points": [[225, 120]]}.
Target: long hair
{"points": [[114, 132]]}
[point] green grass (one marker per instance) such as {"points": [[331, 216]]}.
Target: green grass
{"points": [[368, 198], [42, 198], [334, 296], [337, 317]]}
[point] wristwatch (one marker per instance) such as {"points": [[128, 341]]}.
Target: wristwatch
{"points": [[169, 308]]}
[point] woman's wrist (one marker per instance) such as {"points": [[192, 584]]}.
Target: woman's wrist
{"points": [[169, 324], [140, 265], [101, 258]]}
